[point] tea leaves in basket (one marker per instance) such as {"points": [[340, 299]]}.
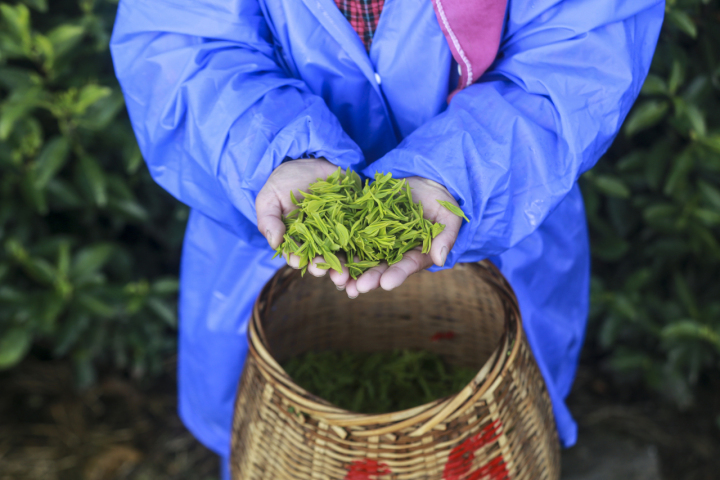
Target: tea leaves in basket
{"points": [[380, 382]]}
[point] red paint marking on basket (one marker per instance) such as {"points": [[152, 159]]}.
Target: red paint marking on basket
{"points": [[461, 458], [367, 469], [442, 336]]}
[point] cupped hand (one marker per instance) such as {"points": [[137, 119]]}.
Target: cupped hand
{"points": [[273, 200], [389, 277]]}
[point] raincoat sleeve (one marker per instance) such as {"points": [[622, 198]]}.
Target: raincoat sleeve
{"points": [[213, 112], [510, 147]]}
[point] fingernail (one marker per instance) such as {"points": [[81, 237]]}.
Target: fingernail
{"points": [[352, 297], [340, 287], [443, 255], [269, 237]]}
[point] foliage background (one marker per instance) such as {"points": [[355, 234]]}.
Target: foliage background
{"points": [[89, 245]]}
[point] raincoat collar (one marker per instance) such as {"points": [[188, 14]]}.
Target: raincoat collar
{"points": [[337, 25], [473, 29]]}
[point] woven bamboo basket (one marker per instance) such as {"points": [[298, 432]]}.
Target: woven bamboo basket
{"points": [[500, 426]]}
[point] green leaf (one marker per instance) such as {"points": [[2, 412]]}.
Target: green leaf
{"points": [[660, 215], [708, 217], [654, 85], [677, 179], [343, 234], [610, 249], [89, 95], [17, 19], [19, 104], [454, 209], [63, 267], [130, 209], [90, 260], [14, 78], [165, 286], [696, 118], [98, 116], [65, 37], [95, 306], [712, 142], [34, 194], [163, 312], [62, 195], [611, 186], [646, 115], [634, 160], [72, 328], [691, 329], [677, 76], [133, 157], [93, 175], [50, 160], [39, 5], [624, 307], [683, 21], [43, 49], [50, 306], [332, 260], [685, 294], [14, 344], [709, 193]]}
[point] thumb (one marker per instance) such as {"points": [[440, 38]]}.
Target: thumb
{"points": [[269, 217], [444, 242]]}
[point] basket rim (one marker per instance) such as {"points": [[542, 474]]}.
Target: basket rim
{"points": [[427, 415]]}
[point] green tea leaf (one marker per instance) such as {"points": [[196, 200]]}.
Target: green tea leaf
{"points": [[332, 260], [453, 209], [343, 234]]}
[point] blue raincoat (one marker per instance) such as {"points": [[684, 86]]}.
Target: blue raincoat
{"points": [[220, 92]]}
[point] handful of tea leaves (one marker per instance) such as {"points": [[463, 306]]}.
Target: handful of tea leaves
{"points": [[380, 382], [369, 223]]}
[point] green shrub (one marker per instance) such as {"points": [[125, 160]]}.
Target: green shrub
{"points": [[654, 211], [89, 245]]}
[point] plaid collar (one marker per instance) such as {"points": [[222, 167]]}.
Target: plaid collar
{"points": [[363, 16]]}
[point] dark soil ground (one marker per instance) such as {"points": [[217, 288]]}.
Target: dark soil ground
{"points": [[118, 430]]}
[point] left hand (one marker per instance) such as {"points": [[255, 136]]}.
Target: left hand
{"points": [[427, 192]]}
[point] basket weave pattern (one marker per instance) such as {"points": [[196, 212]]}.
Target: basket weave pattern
{"points": [[500, 426]]}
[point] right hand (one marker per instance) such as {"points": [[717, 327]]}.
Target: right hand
{"points": [[274, 201]]}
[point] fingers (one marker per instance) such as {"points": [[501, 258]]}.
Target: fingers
{"points": [[340, 279], [351, 288], [314, 270], [269, 217], [412, 262], [443, 243], [370, 280], [293, 260]]}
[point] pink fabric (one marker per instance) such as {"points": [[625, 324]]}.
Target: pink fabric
{"points": [[473, 29]]}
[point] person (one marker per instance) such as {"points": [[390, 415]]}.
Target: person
{"points": [[496, 105]]}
